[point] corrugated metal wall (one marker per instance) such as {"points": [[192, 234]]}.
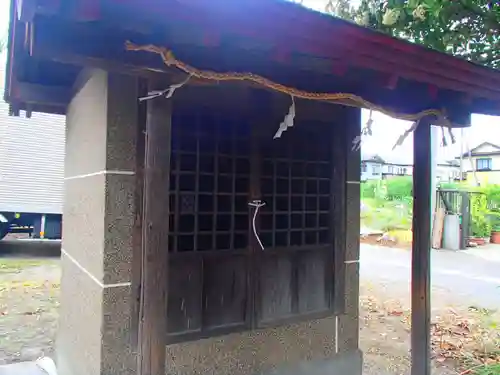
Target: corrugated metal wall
{"points": [[31, 160]]}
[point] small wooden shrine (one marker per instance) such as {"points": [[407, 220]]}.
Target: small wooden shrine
{"points": [[211, 221]]}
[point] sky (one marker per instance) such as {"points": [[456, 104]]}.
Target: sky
{"points": [[386, 130], [4, 16]]}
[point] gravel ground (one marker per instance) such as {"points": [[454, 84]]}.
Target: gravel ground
{"points": [[29, 293]]}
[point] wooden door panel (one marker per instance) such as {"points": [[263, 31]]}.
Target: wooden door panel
{"points": [[275, 288], [184, 298], [225, 292], [313, 295]]}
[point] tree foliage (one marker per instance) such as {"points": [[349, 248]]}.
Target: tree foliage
{"points": [[465, 28], [399, 189]]}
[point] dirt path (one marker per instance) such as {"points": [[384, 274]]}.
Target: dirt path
{"points": [[385, 331], [29, 298], [29, 291]]}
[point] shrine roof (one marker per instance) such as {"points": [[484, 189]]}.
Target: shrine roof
{"points": [[288, 31]]}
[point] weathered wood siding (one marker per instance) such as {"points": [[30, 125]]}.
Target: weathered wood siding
{"points": [[221, 281]]}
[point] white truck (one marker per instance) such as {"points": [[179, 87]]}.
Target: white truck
{"points": [[31, 171]]}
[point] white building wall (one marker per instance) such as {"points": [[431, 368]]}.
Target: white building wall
{"points": [[31, 160]]}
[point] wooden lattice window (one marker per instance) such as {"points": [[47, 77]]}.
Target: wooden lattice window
{"points": [[209, 184], [220, 279], [295, 184]]}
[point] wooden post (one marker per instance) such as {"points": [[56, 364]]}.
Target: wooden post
{"points": [[154, 273], [421, 251], [341, 151]]}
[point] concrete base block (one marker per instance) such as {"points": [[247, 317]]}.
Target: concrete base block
{"points": [[343, 364]]}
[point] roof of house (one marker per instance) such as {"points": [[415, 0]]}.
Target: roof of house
{"points": [[481, 145], [484, 149], [373, 159], [451, 163], [402, 75], [403, 159]]}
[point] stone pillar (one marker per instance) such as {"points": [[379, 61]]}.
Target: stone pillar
{"points": [[95, 318], [348, 323]]}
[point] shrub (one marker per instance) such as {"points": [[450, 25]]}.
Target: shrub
{"points": [[368, 189], [481, 223], [492, 193], [387, 204], [399, 188]]}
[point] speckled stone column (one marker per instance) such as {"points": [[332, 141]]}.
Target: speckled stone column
{"points": [[349, 321], [94, 324]]}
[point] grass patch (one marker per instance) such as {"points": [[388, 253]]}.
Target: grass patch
{"points": [[28, 314], [387, 216], [488, 370], [484, 370], [16, 265], [481, 355], [27, 285]]}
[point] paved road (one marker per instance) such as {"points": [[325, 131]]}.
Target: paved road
{"points": [[471, 277]]}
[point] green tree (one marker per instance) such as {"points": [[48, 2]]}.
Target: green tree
{"points": [[465, 28]]}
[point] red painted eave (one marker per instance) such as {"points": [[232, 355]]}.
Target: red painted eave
{"points": [[289, 27], [292, 28]]}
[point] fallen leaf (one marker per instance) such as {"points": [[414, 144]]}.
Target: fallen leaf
{"points": [[395, 313]]}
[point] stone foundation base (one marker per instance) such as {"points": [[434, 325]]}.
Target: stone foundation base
{"points": [[307, 348], [350, 363]]}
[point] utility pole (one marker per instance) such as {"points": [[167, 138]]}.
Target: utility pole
{"points": [[434, 162], [461, 154], [472, 164]]}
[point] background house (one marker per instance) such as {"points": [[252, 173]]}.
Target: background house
{"points": [[484, 159], [395, 169], [374, 167], [448, 171], [371, 168]]}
